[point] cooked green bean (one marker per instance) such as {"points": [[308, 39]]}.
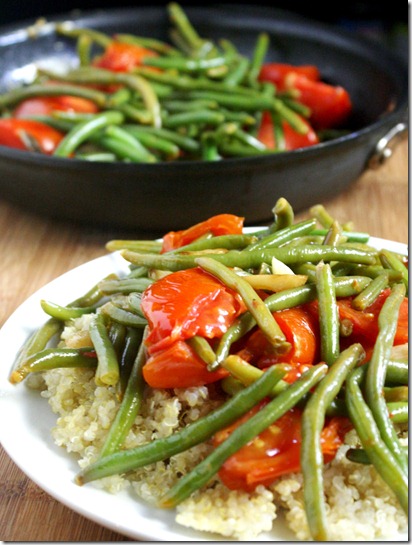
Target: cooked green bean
{"points": [[205, 470], [328, 314], [125, 285], [264, 318], [369, 434], [313, 420], [258, 56], [367, 296], [283, 235], [82, 131], [64, 313], [376, 372], [54, 358], [202, 348], [283, 215], [391, 261], [193, 434], [129, 407], [107, 371], [248, 260], [132, 342], [123, 316]]}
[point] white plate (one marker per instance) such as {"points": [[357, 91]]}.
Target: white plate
{"points": [[26, 420]]}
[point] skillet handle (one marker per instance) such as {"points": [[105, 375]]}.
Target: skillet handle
{"points": [[384, 148]]}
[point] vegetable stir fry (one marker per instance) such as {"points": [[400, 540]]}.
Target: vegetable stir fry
{"points": [[138, 99], [294, 327]]}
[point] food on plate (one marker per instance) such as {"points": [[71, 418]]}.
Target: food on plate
{"points": [[138, 99], [234, 375]]}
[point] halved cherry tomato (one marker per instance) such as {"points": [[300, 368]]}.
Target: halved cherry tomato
{"points": [[14, 133], [275, 451], [330, 105], [300, 330], [187, 303], [277, 72], [222, 224], [293, 139], [178, 366], [46, 105], [122, 57]]}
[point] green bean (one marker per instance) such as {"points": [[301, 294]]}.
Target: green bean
{"points": [[369, 434], [150, 43], [182, 64], [391, 261], [64, 313], [140, 152], [396, 393], [182, 141], [376, 373], [129, 407], [122, 316], [235, 76], [208, 117], [283, 215], [367, 296], [351, 236], [117, 336], [398, 411], [202, 348], [107, 371], [282, 235], [153, 142], [258, 57], [84, 45], [375, 270], [133, 340], [248, 260], [67, 29], [101, 157], [244, 433], [264, 318], [358, 456], [319, 212], [125, 285], [334, 234], [93, 296], [150, 246], [311, 455], [193, 434], [328, 314], [54, 358], [397, 371], [182, 23], [82, 131], [226, 242]]}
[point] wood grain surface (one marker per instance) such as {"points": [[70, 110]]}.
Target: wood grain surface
{"points": [[35, 250]]}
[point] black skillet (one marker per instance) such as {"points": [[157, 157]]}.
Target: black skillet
{"points": [[168, 196]]}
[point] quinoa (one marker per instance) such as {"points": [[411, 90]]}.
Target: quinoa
{"points": [[360, 506]]}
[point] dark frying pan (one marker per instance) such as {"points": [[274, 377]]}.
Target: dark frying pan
{"points": [[164, 196]]}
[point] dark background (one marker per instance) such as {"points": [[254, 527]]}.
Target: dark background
{"points": [[386, 22]]}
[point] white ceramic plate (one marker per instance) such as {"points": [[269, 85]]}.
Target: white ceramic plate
{"points": [[27, 419]]}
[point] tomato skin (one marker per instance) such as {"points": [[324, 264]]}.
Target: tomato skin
{"points": [[187, 303], [122, 57], [301, 332], [46, 137], [330, 105], [178, 366], [276, 73], [46, 105], [293, 140], [221, 224], [275, 451]]}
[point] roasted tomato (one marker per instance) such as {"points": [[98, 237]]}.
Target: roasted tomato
{"points": [[222, 224], [29, 135], [276, 73], [46, 105], [122, 57], [188, 303], [275, 451]]}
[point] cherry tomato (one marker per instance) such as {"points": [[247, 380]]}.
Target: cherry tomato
{"points": [[300, 330], [122, 57], [277, 72], [275, 451], [330, 105], [178, 366], [46, 105], [15, 133], [187, 303], [292, 139], [222, 224]]}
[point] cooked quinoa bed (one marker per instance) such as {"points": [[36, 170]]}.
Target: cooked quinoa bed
{"points": [[360, 505]]}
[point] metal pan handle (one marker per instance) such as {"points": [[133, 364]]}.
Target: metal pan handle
{"points": [[386, 145]]}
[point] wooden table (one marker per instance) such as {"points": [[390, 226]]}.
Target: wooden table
{"points": [[35, 250]]}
